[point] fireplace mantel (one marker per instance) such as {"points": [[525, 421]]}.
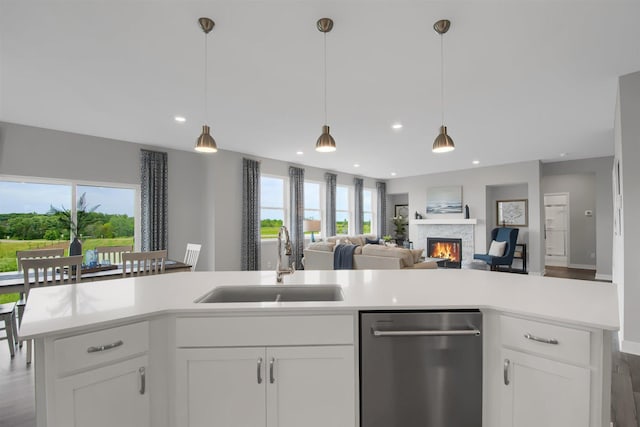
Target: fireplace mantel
{"points": [[444, 221]]}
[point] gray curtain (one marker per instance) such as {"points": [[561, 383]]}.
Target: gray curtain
{"points": [[381, 217], [250, 256], [330, 180], [358, 208], [154, 206], [296, 199]]}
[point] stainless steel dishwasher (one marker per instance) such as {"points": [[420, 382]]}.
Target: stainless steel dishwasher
{"points": [[421, 369]]}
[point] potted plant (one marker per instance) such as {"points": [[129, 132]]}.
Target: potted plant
{"points": [[75, 227]]}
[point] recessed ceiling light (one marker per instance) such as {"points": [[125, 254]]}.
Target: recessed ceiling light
{"points": [[299, 153], [180, 119], [393, 174], [563, 154], [356, 165], [476, 162], [396, 126]]}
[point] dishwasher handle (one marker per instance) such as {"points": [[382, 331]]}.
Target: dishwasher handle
{"points": [[425, 333]]}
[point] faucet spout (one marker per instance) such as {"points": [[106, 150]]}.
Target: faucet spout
{"points": [[290, 269]]}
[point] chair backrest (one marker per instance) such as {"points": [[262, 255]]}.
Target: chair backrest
{"points": [[192, 254], [111, 254], [38, 254], [509, 235], [51, 271], [143, 263]]}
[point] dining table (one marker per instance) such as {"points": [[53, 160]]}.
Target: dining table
{"points": [[13, 282]]}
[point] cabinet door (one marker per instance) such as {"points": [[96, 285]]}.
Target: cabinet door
{"points": [[310, 386], [221, 387], [543, 392], [115, 395]]}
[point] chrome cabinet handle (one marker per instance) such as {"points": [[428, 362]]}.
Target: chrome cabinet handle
{"points": [[259, 372], [95, 349], [506, 371], [272, 378], [428, 333], [142, 373], [542, 340]]}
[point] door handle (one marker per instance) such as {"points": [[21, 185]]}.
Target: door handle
{"points": [[259, 370], [426, 333], [506, 371], [142, 373], [272, 378]]}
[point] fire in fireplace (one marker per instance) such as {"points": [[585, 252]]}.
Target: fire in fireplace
{"points": [[449, 249]]}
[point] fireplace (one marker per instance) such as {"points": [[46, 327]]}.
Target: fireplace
{"points": [[449, 249]]}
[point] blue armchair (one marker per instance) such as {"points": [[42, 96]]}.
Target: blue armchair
{"points": [[503, 234]]}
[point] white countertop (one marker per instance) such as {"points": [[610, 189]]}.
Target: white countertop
{"points": [[67, 309]]}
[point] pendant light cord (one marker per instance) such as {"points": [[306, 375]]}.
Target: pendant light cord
{"points": [[206, 88], [442, 75], [325, 78]]}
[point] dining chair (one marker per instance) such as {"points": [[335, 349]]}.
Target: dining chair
{"points": [[112, 254], [38, 253], [192, 254], [8, 316], [143, 263], [39, 272]]}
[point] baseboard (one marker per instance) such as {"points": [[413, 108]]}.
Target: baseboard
{"points": [[536, 273], [630, 347], [583, 266], [555, 262], [604, 276]]}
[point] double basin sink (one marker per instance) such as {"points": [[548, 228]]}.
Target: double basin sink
{"points": [[272, 293]]}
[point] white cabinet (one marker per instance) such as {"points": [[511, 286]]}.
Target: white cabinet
{"points": [[272, 386], [543, 392], [113, 395], [271, 371]]}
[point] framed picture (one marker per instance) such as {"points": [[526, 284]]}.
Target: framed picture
{"points": [[512, 212], [444, 200], [402, 210]]}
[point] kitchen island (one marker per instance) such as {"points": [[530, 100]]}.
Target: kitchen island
{"points": [[173, 353]]}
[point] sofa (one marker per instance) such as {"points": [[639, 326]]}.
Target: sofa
{"points": [[367, 256]]}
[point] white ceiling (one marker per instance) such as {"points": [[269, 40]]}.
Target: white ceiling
{"points": [[524, 80]]}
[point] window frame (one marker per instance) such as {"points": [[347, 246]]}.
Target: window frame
{"points": [[372, 211], [321, 210], [349, 211], [74, 183], [285, 202]]}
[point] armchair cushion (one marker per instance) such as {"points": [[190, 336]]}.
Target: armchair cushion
{"points": [[497, 248]]}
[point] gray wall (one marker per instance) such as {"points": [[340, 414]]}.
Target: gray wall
{"points": [[35, 152], [589, 183], [504, 192], [474, 184], [626, 268]]}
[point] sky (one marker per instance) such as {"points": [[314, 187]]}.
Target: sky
{"points": [[20, 197]]}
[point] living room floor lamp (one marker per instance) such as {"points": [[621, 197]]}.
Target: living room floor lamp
{"points": [[443, 142]]}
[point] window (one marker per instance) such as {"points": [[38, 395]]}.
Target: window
{"points": [[272, 211], [367, 211], [312, 204], [343, 214], [37, 214]]}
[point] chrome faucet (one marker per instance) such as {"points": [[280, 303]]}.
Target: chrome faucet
{"points": [[287, 251]]}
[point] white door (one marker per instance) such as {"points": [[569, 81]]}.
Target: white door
{"points": [[311, 386], [543, 392], [556, 229], [115, 395], [221, 387]]}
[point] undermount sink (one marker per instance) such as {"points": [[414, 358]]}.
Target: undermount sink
{"points": [[273, 293]]}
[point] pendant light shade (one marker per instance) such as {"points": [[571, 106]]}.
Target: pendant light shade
{"points": [[443, 142], [325, 143], [205, 142]]}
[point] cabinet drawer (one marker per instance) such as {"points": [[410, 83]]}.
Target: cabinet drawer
{"points": [[571, 345], [95, 348], [263, 331]]}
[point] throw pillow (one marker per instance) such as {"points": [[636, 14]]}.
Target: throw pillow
{"points": [[417, 253], [372, 242], [497, 248]]}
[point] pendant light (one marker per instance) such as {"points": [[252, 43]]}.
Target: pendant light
{"points": [[443, 142], [325, 143], [206, 143]]}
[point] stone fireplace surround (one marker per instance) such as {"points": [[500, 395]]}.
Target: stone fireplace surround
{"points": [[449, 228]]}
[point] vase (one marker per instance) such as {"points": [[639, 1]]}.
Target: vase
{"points": [[75, 248]]}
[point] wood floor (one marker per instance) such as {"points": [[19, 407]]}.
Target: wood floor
{"points": [[17, 408]]}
